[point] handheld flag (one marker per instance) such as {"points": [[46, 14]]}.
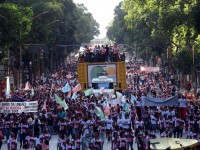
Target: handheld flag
{"points": [[74, 96], [126, 107], [45, 106], [133, 98], [123, 99], [66, 88], [7, 87], [32, 92], [69, 93], [59, 101], [119, 95], [27, 86], [77, 88], [107, 110], [88, 92], [99, 112], [44, 79]]}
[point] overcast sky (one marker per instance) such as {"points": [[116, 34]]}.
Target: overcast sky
{"points": [[102, 11]]}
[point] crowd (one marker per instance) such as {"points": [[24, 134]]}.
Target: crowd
{"points": [[125, 122], [101, 54]]}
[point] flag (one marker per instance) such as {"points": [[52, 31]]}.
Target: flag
{"points": [[66, 88], [64, 105], [88, 92], [119, 95], [44, 79], [59, 101], [107, 110], [133, 98], [123, 99], [69, 93], [77, 88], [74, 96], [101, 90], [123, 114], [51, 97], [126, 107], [99, 112], [7, 87], [45, 106], [32, 92], [27, 86]]}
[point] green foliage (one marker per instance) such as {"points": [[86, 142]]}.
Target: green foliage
{"points": [[46, 22], [49, 22], [157, 24], [181, 63], [116, 31], [15, 24]]}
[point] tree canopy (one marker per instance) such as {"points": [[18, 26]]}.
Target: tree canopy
{"points": [[158, 24], [46, 22]]}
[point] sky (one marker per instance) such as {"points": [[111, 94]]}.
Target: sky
{"points": [[102, 11]]}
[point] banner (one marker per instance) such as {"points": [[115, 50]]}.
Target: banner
{"points": [[161, 101], [18, 107], [149, 69], [96, 70]]}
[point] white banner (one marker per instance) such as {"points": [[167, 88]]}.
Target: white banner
{"points": [[149, 69], [18, 107]]}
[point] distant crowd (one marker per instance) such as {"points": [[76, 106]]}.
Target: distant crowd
{"points": [[88, 122]]}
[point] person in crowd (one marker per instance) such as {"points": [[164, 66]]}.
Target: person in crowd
{"points": [[12, 142], [36, 124], [103, 53], [79, 126]]}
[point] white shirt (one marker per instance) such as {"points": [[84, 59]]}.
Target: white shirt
{"points": [[182, 102], [153, 120], [119, 122], [108, 123], [125, 123]]}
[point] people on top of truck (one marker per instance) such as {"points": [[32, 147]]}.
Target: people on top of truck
{"points": [[101, 54]]}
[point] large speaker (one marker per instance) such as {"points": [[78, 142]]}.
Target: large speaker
{"points": [[95, 85], [110, 85]]}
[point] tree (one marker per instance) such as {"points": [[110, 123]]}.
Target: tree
{"points": [[157, 24], [15, 24], [117, 30]]}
